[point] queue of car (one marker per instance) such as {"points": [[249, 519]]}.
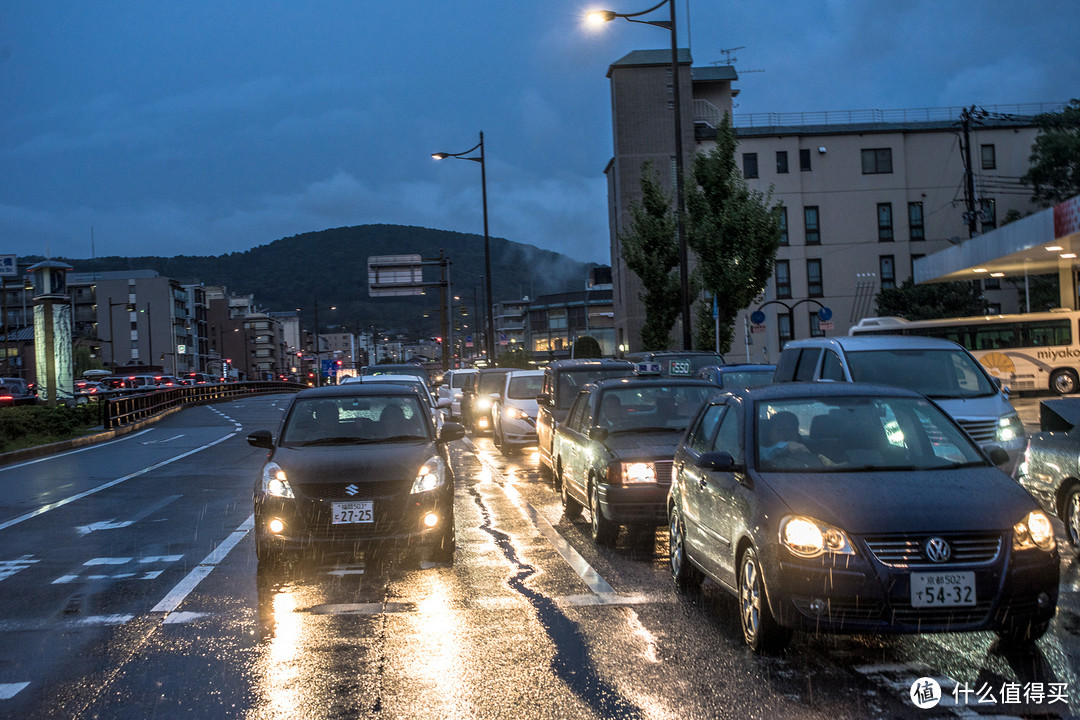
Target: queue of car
{"points": [[820, 502]]}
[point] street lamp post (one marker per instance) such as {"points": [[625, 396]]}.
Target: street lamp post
{"points": [[602, 16], [487, 240]]}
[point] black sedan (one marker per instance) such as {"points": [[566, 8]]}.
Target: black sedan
{"points": [[356, 465], [613, 453], [1050, 468], [854, 508]]}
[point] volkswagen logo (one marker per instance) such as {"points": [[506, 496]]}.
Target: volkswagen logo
{"points": [[937, 550], [352, 490]]}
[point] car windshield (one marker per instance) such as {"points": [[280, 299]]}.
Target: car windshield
{"points": [[934, 373], [859, 434], [355, 420], [525, 387], [491, 382], [746, 378], [650, 408], [570, 381], [459, 379]]}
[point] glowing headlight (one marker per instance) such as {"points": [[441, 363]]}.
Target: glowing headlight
{"points": [[483, 403], [631, 473], [274, 481], [809, 538], [516, 414], [1034, 531], [431, 475], [1009, 428]]}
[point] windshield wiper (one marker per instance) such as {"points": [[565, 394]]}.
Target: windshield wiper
{"points": [[400, 438], [335, 441]]}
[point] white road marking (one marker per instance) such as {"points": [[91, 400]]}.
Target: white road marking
{"points": [[105, 486], [10, 690], [152, 442], [117, 562], [184, 588], [10, 567], [78, 450]]}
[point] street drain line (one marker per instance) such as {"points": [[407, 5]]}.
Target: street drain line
{"points": [[571, 662]]}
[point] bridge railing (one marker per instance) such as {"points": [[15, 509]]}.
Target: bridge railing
{"points": [[122, 409]]}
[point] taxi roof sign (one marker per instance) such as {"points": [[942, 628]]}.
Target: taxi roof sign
{"points": [[648, 368]]}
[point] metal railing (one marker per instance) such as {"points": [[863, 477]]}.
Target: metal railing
{"points": [[119, 408], [1020, 112]]}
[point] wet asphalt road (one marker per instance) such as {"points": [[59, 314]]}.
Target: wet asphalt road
{"points": [[130, 590]]}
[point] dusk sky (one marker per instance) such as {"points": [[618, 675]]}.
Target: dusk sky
{"points": [[208, 127]]}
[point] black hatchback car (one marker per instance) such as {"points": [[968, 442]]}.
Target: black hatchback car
{"points": [[353, 466], [853, 508]]}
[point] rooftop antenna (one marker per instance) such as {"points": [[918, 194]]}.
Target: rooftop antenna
{"points": [[729, 59]]}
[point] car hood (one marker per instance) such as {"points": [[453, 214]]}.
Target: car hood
{"points": [[962, 500], [660, 445], [353, 463]]}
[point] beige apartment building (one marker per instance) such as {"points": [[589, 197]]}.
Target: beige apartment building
{"points": [[865, 193]]}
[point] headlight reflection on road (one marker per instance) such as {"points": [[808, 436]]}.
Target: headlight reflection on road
{"points": [[281, 679], [436, 654]]}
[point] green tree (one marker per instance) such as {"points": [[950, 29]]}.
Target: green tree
{"points": [[514, 357], [931, 300], [650, 250], [586, 347], [1054, 174], [734, 231]]}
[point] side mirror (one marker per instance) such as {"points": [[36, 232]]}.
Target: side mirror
{"points": [[261, 439], [451, 431], [997, 454], [716, 461], [598, 433], [444, 402], [495, 396], [544, 398]]}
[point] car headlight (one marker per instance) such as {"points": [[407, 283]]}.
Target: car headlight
{"points": [[808, 538], [1034, 531], [274, 481], [1009, 428], [631, 473], [482, 403], [516, 414], [431, 475]]}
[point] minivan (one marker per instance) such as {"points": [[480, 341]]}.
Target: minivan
{"points": [[939, 369]]}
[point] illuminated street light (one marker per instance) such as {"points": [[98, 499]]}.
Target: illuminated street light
{"points": [[487, 242], [599, 17]]}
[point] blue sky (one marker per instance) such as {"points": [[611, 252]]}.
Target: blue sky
{"points": [[206, 127]]}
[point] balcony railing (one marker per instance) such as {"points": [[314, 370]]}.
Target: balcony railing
{"points": [[1020, 112]]}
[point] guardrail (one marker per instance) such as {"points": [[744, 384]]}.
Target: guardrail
{"points": [[123, 408]]}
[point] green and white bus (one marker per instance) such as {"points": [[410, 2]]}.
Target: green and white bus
{"points": [[1032, 351]]}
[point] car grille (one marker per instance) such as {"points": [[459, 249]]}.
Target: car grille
{"points": [[981, 431], [337, 490], [940, 617], [663, 471], [906, 551]]}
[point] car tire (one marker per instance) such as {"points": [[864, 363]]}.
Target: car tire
{"points": [[443, 550], [1070, 515], [1064, 382], [546, 473], [687, 577], [571, 508], [760, 629], [604, 531], [267, 553]]}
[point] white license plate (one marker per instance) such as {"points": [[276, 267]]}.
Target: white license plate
{"points": [[944, 589], [344, 513]]}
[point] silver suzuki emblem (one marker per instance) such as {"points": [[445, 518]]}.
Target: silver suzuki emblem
{"points": [[351, 489], [937, 550]]}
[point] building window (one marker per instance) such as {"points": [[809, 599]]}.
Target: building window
{"points": [[887, 271], [992, 283], [815, 325], [916, 231], [877, 161], [784, 331], [749, 165], [783, 226], [989, 157], [812, 224], [781, 162], [813, 278], [988, 214], [884, 222], [783, 279], [804, 159]]}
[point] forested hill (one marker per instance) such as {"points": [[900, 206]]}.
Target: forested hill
{"points": [[330, 267]]}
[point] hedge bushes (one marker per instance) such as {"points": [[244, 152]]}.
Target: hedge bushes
{"points": [[30, 425]]}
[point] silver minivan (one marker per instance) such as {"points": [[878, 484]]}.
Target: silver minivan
{"points": [[940, 369]]}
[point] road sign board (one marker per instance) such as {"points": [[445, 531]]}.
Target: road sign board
{"points": [[757, 317], [395, 275], [825, 314], [9, 266]]}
